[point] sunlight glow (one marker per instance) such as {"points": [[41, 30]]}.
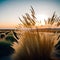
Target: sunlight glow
{"points": [[41, 17]]}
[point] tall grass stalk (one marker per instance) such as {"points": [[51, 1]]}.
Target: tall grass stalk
{"points": [[34, 45]]}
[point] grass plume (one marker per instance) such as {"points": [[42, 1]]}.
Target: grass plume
{"points": [[34, 45]]}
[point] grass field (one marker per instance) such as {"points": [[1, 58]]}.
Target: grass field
{"points": [[28, 42]]}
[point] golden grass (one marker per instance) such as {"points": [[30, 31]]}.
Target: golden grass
{"points": [[34, 46]]}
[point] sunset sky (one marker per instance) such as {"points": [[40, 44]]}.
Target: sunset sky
{"points": [[10, 10]]}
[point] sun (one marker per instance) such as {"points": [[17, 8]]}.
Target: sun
{"points": [[41, 17]]}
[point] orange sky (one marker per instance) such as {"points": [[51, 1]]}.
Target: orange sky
{"points": [[7, 26]]}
